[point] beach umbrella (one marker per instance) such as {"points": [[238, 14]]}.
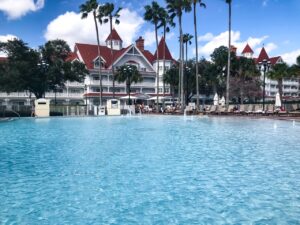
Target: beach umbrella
{"points": [[222, 101], [216, 99], [277, 100]]}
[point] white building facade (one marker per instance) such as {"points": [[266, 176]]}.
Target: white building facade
{"points": [[291, 86], [89, 90]]}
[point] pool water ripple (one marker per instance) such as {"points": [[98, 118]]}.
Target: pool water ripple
{"points": [[149, 170]]}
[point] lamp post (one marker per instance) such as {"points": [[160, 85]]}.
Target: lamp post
{"points": [[265, 65], [43, 66], [86, 104]]}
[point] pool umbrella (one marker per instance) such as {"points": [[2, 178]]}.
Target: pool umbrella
{"points": [[216, 99], [277, 101], [222, 101]]}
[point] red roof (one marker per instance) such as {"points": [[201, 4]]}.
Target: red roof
{"points": [[274, 60], [262, 55], [148, 55], [89, 53], [113, 35], [161, 46], [72, 56], [3, 59], [247, 49]]}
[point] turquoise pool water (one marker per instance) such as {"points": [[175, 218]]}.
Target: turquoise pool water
{"points": [[149, 170]]}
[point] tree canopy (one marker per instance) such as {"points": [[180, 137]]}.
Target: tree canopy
{"points": [[38, 71]]}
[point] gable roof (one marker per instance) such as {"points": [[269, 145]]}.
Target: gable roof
{"points": [[274, 60], [114, 36], [89, 53], [247, 49], [160, 49], [262, 55]]}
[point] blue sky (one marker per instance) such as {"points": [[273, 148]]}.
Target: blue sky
{"points": [[274, 23]]}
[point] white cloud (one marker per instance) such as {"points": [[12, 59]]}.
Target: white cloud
{"points": [[5, 38], [149, 37], [270, 47], [16, 9], [206, 37], [71, 28], [210, 42], [290, 57]]}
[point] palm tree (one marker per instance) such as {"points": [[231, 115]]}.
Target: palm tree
{"points": [[279, 72], [91, 6], [107, 12], [164, 22], [152, 14], [229, 52], [186, 40], [130, 74], [295, 69], [176, 9], [196, 43], [171, 78]]}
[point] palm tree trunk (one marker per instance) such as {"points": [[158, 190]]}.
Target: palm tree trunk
{"points": [[186, 78], [181, 65], [164, 65], [196, 43], [99, 56], [229, 55], [280, 82], [112, 57], [157, 69]]}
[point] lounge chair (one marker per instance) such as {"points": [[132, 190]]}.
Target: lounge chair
{"points": [[230, 108], [212, 109], [241, 110], [258, 109], [270, 109]]}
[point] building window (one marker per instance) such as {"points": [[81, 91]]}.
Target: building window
{"points": [[116, 43]]}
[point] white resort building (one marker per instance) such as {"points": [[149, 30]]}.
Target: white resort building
{"points": [[291, 86], [89, 90]]}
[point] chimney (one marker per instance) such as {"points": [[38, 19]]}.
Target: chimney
{"points": [[140, 43]]}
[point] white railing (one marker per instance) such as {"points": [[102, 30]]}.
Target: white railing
{"points": [[64, 95], [75, 84], [15, 94]]}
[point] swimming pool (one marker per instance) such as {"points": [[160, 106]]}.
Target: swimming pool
{"points": [[149, 170]]}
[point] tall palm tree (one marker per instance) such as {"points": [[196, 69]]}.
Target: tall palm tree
{"points": [[186, 41], [196, 43], [128, 74], [152, 14], [175, 9], [164, 23], [107, 12], [279, 72], [91, 6], [229, 52]]}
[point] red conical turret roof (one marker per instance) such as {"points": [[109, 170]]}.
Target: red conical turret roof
{"points": [[247, 49], [262, 55], [114, 36], [161, 54]]}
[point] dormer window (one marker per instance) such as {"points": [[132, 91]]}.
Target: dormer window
{"points": [[96, 63]]}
